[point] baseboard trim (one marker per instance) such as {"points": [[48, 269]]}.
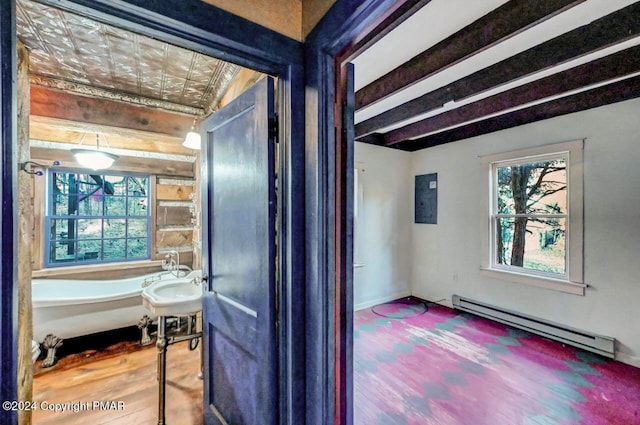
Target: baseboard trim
{"points": [[628, 359], [441, 301], [391, 297]]}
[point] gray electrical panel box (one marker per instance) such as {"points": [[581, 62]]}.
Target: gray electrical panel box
{"points": [[426, 198]]}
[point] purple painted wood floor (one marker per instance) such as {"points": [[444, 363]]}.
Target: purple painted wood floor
{"points": [[442, 367]]}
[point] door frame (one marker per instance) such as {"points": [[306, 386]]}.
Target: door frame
{"points": [[198, 26], [345, 31], [315, 378]]}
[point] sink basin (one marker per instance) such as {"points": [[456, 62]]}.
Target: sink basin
{"points": [[175, 297]]}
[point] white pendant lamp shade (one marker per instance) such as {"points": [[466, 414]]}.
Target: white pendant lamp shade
{"points": [[192, 139], [94, 159]]}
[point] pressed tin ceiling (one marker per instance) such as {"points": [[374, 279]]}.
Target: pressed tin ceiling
{"points": [[77, 54]]}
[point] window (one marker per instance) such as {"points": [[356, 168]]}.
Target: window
{"points": [[534, 230], [96, 218]]}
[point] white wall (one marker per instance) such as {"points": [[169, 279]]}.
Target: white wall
{"points": [[447, 255], [383, 234]]}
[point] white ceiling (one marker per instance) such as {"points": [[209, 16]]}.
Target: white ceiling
{"points": [[442, 18]]}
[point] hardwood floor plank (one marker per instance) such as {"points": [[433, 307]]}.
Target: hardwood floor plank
{"points": [[130, 379]]}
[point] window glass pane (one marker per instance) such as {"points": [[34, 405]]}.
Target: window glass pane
{"points": [[62, 252], [532, 243], [114, 249], [91, 205], [115, 228], [89, 184], [59, 183], [90, 228], [138, 206], [102, 232], [532, 188], [137, 248], [137, 186], [60, 205], [114, 206], [89, 250], [114, 185], [62, 229], [137, 227]]}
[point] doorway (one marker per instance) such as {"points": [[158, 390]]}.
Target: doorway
{"points": [[272, 54]]}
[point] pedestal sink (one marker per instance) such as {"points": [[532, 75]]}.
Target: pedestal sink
{"points": [[174, 297]]}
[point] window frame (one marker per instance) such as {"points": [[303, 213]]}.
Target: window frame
{"points": [[572, 279], [48, 217]]}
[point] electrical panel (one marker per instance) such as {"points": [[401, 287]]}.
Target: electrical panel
{"points": [[426, 198]]}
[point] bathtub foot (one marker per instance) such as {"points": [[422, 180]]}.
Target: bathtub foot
{"points": [[51, 343], [143, 325]]}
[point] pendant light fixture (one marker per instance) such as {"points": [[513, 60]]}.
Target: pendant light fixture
{"points": [[192, 140], [95, 159]]}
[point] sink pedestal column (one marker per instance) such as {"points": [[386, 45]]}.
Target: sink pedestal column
{"points": [[162, 343]]}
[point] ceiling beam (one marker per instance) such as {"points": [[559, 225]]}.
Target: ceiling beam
{"points": [[605, 95], [506, 21], [606, 31], [57, 104], [608, 68], [72, 132], [387, 24]]}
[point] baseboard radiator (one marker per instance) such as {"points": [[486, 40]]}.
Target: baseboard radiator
{"points": [[599, 344]]}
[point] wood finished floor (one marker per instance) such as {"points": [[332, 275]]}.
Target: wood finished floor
{"points": [[415, 366], [129, 378]]}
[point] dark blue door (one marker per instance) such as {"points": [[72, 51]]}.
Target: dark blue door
{"points": [[239, 310]]}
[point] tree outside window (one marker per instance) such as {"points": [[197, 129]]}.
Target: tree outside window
{"points": [[530, 214], [95, 218], [533, 227]]}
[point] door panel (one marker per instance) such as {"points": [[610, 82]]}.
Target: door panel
{"points": [[239, 256]]}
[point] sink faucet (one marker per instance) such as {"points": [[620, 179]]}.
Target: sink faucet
{"points": [[171, 263]]}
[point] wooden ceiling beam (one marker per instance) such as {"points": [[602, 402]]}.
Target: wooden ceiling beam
{"points": [[605, 95], [506, 21], [63, 131], [130, 164], [617, 65], [387, 23], [606, 31], [57, 104]]}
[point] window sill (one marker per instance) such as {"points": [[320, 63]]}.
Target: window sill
{"points": [[538, 281], [81, 269]]}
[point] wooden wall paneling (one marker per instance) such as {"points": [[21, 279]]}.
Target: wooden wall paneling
{"points": [[173, 192], [245, 79], [71, 132], [172, 215], [125, 163], [25, 227], [173, 238], [52, 103], [197, 213], [186, 255]]}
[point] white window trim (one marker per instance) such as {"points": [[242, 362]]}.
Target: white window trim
{"points": [[574, 283]]}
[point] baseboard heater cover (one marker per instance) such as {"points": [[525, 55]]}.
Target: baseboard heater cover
{"points": [[599, 344]]}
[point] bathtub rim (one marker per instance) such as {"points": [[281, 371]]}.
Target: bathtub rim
{"points": [[44, 302]]}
